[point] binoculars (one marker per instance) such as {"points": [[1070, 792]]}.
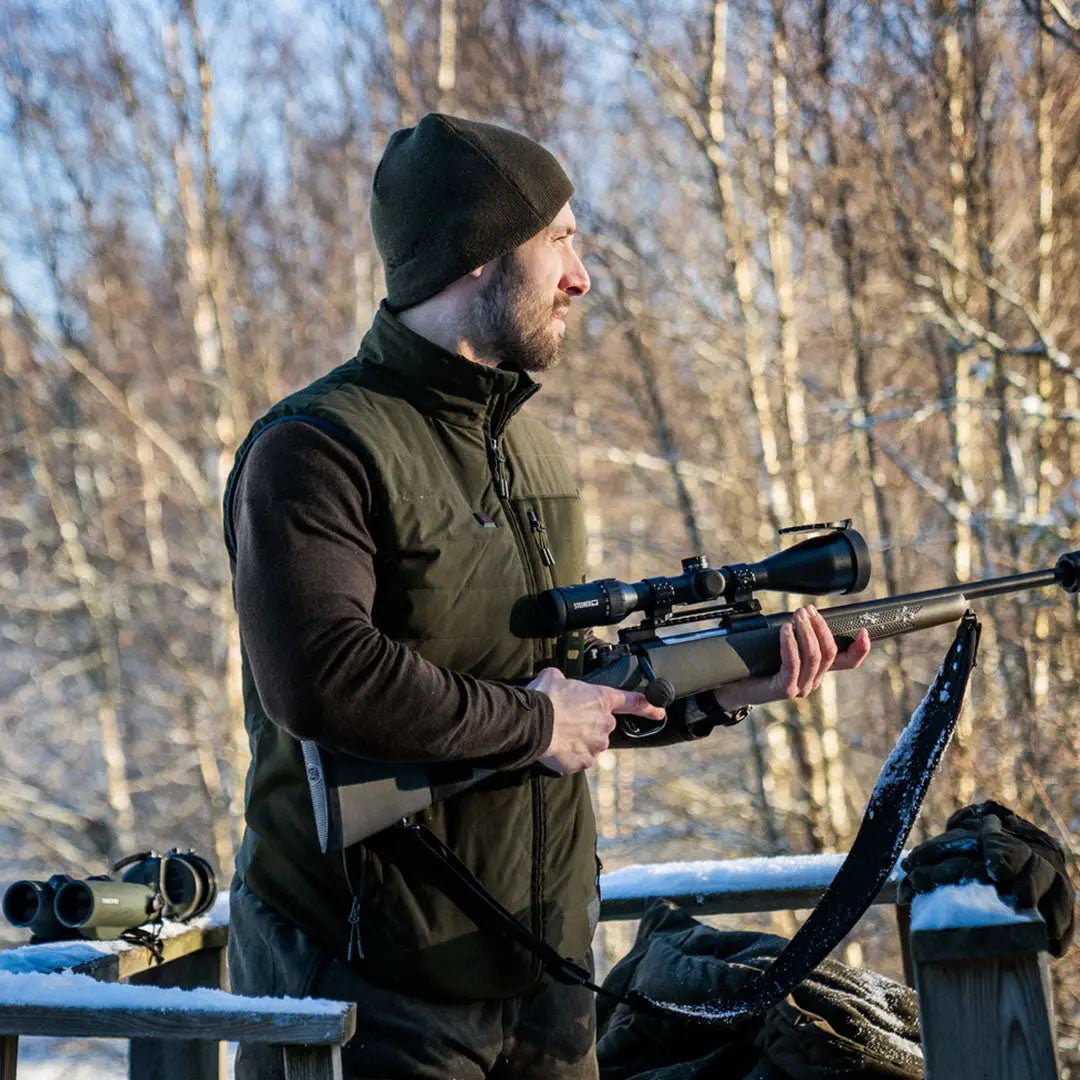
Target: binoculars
{"points": [[178, 885]]}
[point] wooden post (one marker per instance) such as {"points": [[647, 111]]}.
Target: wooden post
{"points": [[984, 1001], [903, 931], [194, 1059], [9, 1056], [312, 1062]]}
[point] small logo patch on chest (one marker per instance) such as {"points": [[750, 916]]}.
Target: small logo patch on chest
{"points": [[485, 521]]}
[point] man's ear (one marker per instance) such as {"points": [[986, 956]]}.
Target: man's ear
{"points": [[477, 272]]}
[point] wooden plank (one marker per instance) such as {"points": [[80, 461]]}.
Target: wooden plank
{"points": [[988, 1016], [312, 1062], [195, 1059], [135, 960], [9, 1056], [334, 1022], [111, 961], [965, 942]]}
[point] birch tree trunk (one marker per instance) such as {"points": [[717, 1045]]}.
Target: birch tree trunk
{"points": [[214, 334], [827, 801], [964, 422], [1048, 433], [785, 740], [393, 15], [446, 79], [857, 373]]}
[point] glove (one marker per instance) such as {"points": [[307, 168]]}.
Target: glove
{"points": [[987, 842]]}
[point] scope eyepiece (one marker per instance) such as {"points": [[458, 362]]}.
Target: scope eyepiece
{"points": [[608, 601]]}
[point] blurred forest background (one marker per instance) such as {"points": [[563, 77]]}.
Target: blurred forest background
{"points": [[834, 253]]}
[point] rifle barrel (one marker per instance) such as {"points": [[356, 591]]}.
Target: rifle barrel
{"points": [[894, 615], [695, 661]]}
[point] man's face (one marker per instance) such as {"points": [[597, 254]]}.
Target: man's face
{"points": [[519, 312]]}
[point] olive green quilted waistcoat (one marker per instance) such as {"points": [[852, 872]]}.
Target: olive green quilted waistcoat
{"points": [[447, 443]]}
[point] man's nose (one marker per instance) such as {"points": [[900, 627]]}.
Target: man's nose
{"points": [[575, 279]]}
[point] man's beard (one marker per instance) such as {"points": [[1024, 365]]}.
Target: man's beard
{"points": [[511, 323]]}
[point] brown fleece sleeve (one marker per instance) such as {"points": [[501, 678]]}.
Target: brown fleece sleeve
{"points": [[304, 586]]}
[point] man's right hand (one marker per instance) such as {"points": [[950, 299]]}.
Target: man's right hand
{"points": [[584, 718]]}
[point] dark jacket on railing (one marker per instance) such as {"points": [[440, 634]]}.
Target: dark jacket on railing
{"points": [[839, 1022]]}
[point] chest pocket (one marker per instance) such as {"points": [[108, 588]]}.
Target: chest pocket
{"points": [[448, 575], [554, 534]]}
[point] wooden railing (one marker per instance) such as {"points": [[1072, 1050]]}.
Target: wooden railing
{"points": [[172, 1037], [983, 991]]}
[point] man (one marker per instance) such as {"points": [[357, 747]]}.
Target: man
{"points": [[382, 524]]}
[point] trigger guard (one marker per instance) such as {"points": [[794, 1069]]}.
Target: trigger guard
{"points": [[638, 727]]}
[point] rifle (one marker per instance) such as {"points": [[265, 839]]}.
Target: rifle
{"points": [[700, 629], [669, 655]]}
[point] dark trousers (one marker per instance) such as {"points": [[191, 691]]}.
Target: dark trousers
{"points": [[549, 1032]]}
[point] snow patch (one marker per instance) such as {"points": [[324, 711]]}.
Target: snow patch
{"points": [[66, 991], [704, 877], [971, 903]]}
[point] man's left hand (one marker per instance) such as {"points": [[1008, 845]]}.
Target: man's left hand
{"points": [[807, 651]]}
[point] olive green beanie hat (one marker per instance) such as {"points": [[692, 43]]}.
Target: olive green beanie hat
{"points": [[450, 195]]}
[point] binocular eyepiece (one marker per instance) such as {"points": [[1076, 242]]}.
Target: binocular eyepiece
{"points": [[179, 885], [833, 559]]}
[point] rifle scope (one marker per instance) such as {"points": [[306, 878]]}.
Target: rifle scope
{"points": [[834, 559]]}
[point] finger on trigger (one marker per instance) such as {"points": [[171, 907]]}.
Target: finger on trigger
{"points": [[639, 705]]}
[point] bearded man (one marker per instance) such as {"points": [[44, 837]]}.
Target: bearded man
{"points": [[381, 524]]}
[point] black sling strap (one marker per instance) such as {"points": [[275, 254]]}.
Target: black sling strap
{"points": [[887, 822], [462, 886]]}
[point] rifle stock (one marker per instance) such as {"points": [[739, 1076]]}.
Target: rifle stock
{"points": [[700, 661]]}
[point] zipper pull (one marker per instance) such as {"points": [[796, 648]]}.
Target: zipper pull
{"points": [[354, 931], [500, 477], [540, 536]]}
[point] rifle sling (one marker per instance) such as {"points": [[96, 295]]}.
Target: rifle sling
{"points": [[890, 814], [463, 887]]}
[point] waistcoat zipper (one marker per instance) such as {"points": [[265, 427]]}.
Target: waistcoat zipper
{"points": [[497, 423], [498, 460], [540, 536], [356, 948]]}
